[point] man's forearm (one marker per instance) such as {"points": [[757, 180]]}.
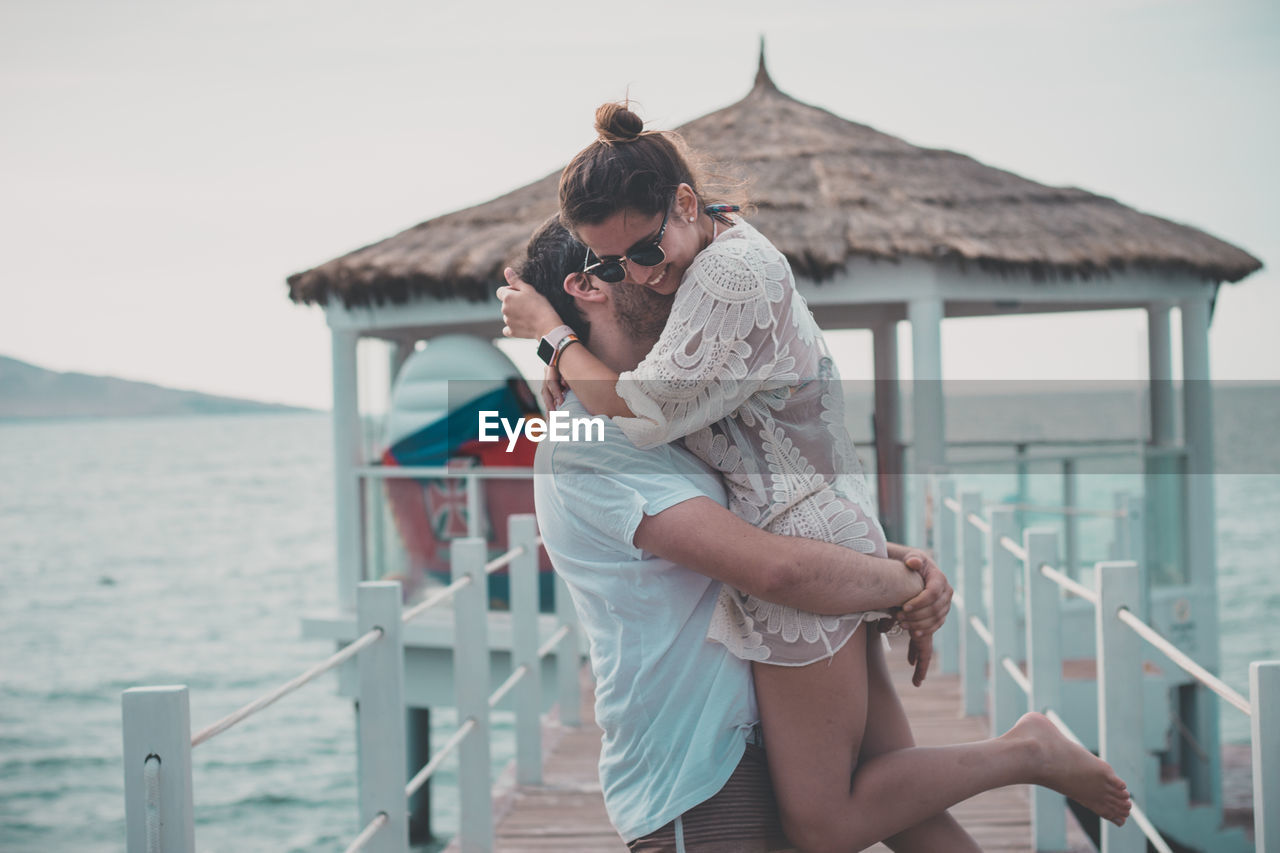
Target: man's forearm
{"points": [[701, 535]]}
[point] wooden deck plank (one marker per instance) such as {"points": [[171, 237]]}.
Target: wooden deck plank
{"points": [[567, 812]]}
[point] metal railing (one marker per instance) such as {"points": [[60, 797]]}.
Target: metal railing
{"points": [[992, 674], [157, 730]]}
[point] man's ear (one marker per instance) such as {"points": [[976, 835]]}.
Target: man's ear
{"points": [[579, 285]]}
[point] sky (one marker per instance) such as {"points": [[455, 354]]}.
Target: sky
{"points": [[164, 166]]}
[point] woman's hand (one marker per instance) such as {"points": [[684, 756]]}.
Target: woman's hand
{"points": [[925, 613], [553, 389], [920, 655], [526, 313]]}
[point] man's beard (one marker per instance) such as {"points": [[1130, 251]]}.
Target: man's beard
{"points": [[641, 312]]}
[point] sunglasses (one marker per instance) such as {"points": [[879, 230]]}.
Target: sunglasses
{"points": [[612, 269]]}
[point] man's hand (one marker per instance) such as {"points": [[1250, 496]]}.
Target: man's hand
{"points": [[920, 654], [925, 613], [526, 313]]}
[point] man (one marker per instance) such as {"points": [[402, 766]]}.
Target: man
{"points": [[642, 539]]}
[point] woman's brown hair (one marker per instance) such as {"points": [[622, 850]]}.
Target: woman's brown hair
{"points": [[626, 168]]}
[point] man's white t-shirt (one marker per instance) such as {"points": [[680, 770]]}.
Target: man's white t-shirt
{"points": [[675, 708]]}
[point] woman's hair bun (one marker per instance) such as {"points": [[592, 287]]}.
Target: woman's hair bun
{"points": [[616, 123]]}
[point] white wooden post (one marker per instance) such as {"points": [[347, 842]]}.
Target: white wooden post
{"points": [[973, 651], [1120, 714], [1006, 696], [157, 770], [1070, 522], [945, 536], [471, 681], [522, 531], [380, 718], [1264, 696], [347, 454], [1044, 670], [928, 417], [888, 414], [568, 659], [1205, 777]]}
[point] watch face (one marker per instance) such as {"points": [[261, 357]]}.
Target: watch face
{"points": [[545, 350]]}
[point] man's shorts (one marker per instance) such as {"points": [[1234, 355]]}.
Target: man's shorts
{"points": [[741, 818]]}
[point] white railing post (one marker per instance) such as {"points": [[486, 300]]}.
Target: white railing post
{"points": [[1131, 506], [568, 659], [1070, 522], [471, 681], [945, 539], [380, 719], [1044, 670], [1120, 713], [157, 770], [1006, 696], [1120, 545], [1264, 697], [973, 651], [522, 532]]}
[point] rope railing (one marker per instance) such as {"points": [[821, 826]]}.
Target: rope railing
{"points": [[1013, 548], [995, 681], [981, 630], [452, 743], [158, 806], [1016, 673], [366, 835], [1074, 587], [1180, 658], [438, 597], [504, 560], [1062, 510], [334, 660]]}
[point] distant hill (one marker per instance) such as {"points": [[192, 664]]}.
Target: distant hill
{"points": [[28, 391]]}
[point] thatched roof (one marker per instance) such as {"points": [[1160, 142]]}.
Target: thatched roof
{"points": [[825, 190]]}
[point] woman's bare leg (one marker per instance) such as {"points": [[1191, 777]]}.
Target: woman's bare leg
{"points": [[888, 730], [814, 719]]}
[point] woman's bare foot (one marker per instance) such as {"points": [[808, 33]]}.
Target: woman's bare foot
{"points": [[1073, 771]]}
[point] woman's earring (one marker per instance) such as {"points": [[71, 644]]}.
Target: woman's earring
{"points": [[690, 218]]}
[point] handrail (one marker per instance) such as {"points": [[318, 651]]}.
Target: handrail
{"points": [[440, 595], [952, 504], [366, 640], [1073, 587], [366, 835], [420, 778], [1195, 670], [979, 522]]}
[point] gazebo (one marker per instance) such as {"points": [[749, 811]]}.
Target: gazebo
{"points": [[878, 231]]}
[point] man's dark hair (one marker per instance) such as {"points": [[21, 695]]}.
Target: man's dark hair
{"points": [[553, 254]]}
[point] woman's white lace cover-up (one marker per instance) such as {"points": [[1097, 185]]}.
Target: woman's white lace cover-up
{"points": [[742, 374]]}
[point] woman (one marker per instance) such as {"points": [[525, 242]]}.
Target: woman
{"points": [[740, 373]]}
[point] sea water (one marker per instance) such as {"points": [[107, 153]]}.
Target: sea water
{"points": [[184, 550]]}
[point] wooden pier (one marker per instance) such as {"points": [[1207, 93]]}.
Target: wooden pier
{"points": [[566, 813]]}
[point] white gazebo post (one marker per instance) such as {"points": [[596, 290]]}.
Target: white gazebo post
{"points": [[347, 453], [888, 413], [1202, 562], [928, 431], [1162, 505]]}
